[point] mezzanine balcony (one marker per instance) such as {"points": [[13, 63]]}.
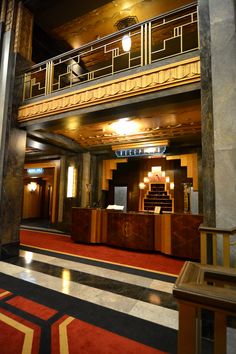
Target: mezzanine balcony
{"points": [[152, 41]]}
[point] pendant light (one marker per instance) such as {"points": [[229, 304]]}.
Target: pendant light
{"points": [[125, 23], [126, 43]]}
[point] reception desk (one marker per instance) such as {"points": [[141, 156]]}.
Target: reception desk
{"points": [[173, 234]]}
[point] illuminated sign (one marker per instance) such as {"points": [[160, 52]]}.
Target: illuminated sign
{"points": [[158, 151], [35, 171]]}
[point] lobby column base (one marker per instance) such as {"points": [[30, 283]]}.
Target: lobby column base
{"points": [[9, 250]]}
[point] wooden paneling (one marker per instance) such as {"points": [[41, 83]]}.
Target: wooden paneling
{"points": [[172, 234], [81, 225], [131, 230], [86, 225], [55, 164], [185, 236], [107, 171], [133, 172], [190, 161], [127, 175], [31, 203], [162, 237]]}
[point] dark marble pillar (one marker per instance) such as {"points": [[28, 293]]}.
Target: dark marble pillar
{"points": [[208, 158], [12, 146], [66, 204], [11, 192], [86, 180], [218, 65], [95, 181]]}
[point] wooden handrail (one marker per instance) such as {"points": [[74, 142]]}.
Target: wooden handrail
{"points": [[217, 230], [204, 288]]}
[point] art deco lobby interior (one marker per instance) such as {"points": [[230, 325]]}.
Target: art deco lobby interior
{"points": [[117, 177]]}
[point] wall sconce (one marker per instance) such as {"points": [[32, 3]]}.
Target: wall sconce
{"points": [[150, 174], [32, 186], [172, 185], [146, 180], [71, 191], [156, 169], [142, 185], [167, 179]]}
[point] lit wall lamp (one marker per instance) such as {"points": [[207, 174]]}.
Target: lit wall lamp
{"points": [[124, 23], [71, 182], [167, 179], [156, 169], [126, 43], [32, 186], [172, 185], [146, 180], [142, 185]]}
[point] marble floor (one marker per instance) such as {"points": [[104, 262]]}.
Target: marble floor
{"points": [[141, 299]]}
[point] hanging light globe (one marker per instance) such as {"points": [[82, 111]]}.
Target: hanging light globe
{"points": [[126, 43]]}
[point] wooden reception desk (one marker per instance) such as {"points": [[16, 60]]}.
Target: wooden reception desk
{"points": [[174, 234]]}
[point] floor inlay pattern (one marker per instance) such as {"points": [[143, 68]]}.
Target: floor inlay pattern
{"points": [[136, 305]]}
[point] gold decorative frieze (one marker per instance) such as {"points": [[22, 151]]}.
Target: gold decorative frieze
{"points": [[191, 162], [160, 78]]}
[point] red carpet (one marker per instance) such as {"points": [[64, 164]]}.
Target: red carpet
{"points": [[68, 333], [18, 335], [64, 244], [83, 338]]}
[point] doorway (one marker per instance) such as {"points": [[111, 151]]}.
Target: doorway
{"points": [[40, 195]]}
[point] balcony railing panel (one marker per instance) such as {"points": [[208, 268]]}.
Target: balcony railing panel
{"points": [[207, 309], [210, 238], [161, 37]]}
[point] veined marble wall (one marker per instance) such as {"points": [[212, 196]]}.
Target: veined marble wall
{"points": [[223, 53], [218, 67]]}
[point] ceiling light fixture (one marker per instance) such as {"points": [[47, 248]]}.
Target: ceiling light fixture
{"points": [[125, 127]]}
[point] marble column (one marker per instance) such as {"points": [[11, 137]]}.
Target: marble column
{"points": [[12, 144], [208, 158], [65, 204], [218, 65], [223, 48], [86, 180]]}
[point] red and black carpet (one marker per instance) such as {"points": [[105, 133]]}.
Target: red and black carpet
{"points": [[34, 318], [64, 244]]}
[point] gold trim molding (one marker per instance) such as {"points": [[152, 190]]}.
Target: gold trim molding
{"points": [[168, 76], [140, 145]]}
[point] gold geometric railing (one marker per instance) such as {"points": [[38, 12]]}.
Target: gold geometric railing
{"points": [[162, 37], [225, 238]]}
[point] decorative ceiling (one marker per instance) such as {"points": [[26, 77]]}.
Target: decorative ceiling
{"points": [[101, 21], [178, 122]]}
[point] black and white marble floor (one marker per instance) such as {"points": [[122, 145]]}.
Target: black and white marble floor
{"points": [[142, 298]]}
